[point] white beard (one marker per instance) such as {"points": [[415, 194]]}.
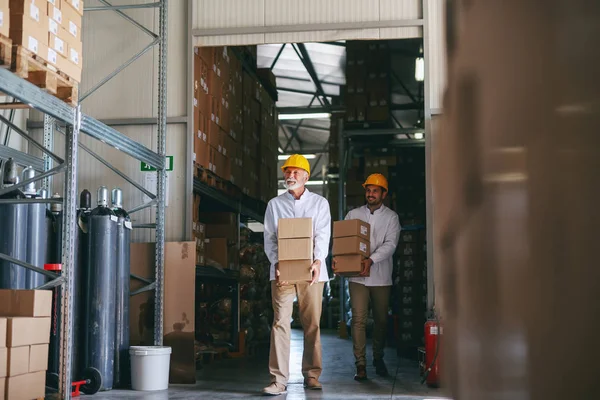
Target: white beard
{"points": [[291, 185]]}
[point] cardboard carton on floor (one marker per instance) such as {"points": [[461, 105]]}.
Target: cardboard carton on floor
{"points": [[351, 227], [351, 245], [348, 265]]}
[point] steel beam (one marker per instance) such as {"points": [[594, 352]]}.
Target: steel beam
{"points": [[32, 201], [123, 7], [293, 78], [49, 145], [21, 158], [277, 56], [253, 30], [311, 110], [30, 139], [381, 132], [119, 69], [307, 92], [310, 127], [30, 267], [120, 122], [305, 58], [408, 92], [53, 171], [133, 21]]}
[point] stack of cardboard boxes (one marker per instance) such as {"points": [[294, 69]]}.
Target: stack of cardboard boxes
{"points": [[24, 340], [295, 249], [235, 123], [50, 29], [368, 82], [221, 242], [351, 245]]}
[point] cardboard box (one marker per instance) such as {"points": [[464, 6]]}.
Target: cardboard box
{"points": [[295, 249], [28, 386], [3, 363], [77, 5], [72, 42], [69, 68], [38, 357], [292, 271], [18, 361], [351, 245], [352, 227], [29, 32], [4, 18], [25, 303], [228, 231], [289, 228], [348, 265], [141, 306], [57, 44], [29, 7], [179, 310], [25, 331], [72, 22]]}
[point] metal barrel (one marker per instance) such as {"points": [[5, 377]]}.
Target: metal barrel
{"points": [[100, 290], [122, 367], [36, 231]]}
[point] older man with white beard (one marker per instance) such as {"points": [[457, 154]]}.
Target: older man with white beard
{"points": [[297, 202]]}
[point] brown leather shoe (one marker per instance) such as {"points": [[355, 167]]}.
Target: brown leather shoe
{"points": [[361, 373], [312, 384]]}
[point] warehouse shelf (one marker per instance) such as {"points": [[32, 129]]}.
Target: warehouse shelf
{"points": [[251, 69], [36, 98], [247, 207], [211, 272]]}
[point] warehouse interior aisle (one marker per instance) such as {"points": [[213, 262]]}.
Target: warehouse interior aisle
{"points": [[244, 378]]}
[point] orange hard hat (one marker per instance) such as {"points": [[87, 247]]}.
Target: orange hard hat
{"points": [[296, 161], [376, 179]]}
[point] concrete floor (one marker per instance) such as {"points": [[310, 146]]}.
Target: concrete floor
{"points": [[245, 378]]}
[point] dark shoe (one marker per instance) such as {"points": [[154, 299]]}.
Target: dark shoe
{"points": [[380, 368], [313, 384], [361, 373]]}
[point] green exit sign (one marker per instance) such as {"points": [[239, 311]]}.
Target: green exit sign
{"points": [[148, 168]]}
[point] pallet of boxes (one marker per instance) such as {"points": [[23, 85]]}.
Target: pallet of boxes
{"points": [[44, 38], [24, 341], [351, 246]]}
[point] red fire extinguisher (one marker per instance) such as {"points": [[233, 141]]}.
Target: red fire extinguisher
{"points": [[433, 332]]}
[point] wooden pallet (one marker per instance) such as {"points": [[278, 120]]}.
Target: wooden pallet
{"points": [[211, 179], [5, 51], [36, 70]]}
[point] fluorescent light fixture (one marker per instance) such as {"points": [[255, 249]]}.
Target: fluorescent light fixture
{"points": [[280, 149], [419, 69], [283, 117], [283, 157], [419, 135]]}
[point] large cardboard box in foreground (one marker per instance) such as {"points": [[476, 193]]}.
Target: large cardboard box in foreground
{"points": [[179, 310], [295, 248]]}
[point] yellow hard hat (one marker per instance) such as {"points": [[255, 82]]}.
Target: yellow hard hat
{"points": [[296, 161], [376, 179]]}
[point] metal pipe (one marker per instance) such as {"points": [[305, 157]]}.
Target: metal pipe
{"points": [[311, 71], [49, 145], [277, 56], [145, 226], [27, 265], [53, 171], [31, 201], [31, 139], [123, 7], [148, 288], [116, 71], [139, 278], [133, 21], [142, 206]]}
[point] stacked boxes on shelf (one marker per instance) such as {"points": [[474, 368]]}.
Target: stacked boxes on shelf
{"points": [[367, 96], [48, 29], [295, 249], [221, 238], [235, 122], [24, 341], [351, 245]]}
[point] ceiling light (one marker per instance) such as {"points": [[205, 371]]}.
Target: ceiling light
{"points": [[283, 117], [419, 135], [419, 69], [283, 157]]}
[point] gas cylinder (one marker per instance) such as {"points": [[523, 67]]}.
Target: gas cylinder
{"points": [[99, 290], [122, 367], [13, 219], [433, 332], [36, 232]]}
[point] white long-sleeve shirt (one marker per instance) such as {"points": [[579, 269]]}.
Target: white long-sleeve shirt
{"points": [[385, 232], [309, 205]]}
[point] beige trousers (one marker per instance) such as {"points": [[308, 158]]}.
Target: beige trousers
{"points": [[359, 300], [310, 300]]}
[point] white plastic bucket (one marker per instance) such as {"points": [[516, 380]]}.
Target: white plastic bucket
{"points": [[150, 367]]}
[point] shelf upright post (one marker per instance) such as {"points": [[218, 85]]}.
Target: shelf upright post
{"points": [[341, 206], [68, 261], [48, 144], [162, 175]]}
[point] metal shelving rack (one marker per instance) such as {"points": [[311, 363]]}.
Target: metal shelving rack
{"points": [[56, 111]]}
